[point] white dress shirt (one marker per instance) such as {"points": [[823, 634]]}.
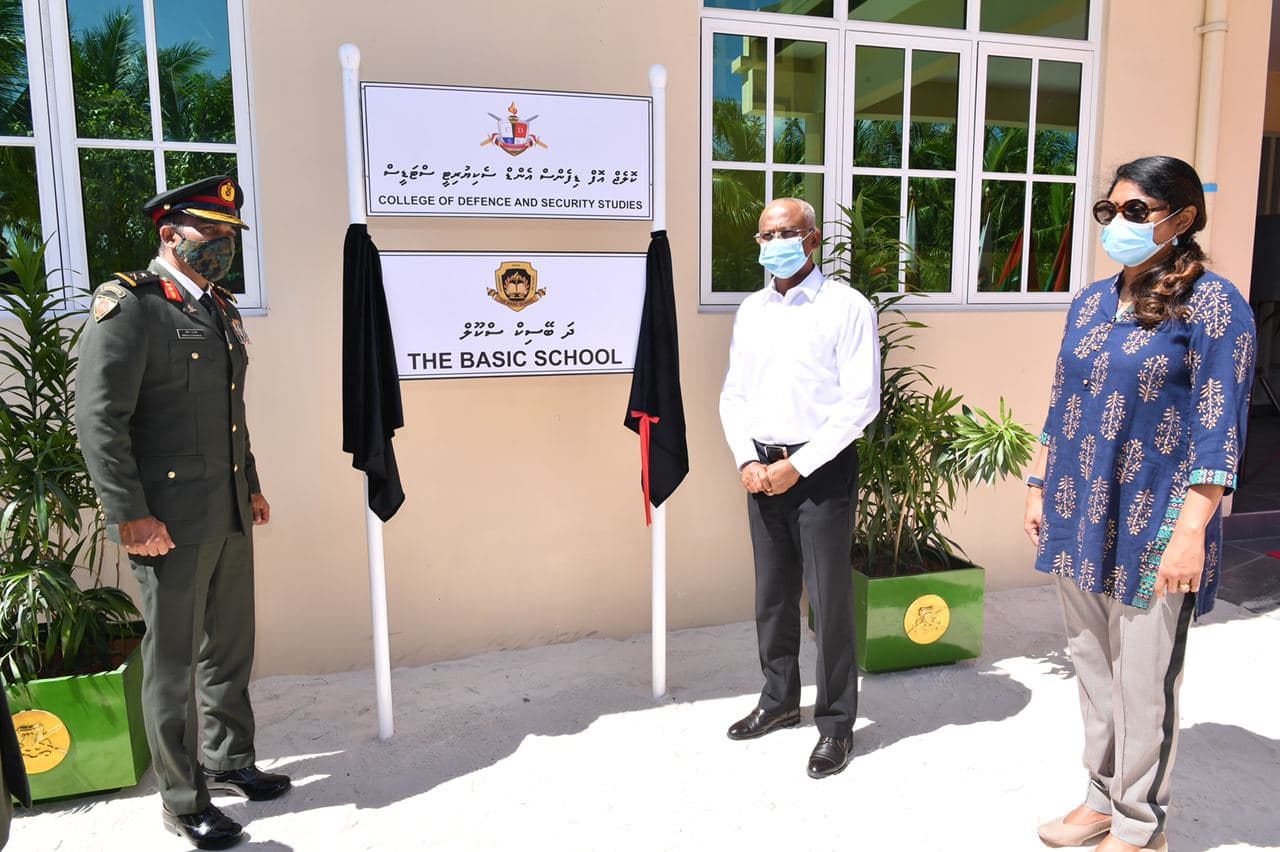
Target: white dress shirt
{"points": [[804, 368]]}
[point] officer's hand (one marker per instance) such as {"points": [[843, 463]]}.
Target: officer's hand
{"points": [[261, 509], [782, 475], [755, 478], [146, 537]]}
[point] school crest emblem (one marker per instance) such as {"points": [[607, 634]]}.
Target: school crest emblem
{"points": [[513, 134], [43, 739], [926, 619], [516, 285]]}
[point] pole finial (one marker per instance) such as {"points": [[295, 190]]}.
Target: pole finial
{"points": [[349, 56]]}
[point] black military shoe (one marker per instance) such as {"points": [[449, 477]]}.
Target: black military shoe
{"points": [[759, 722], [208, 829], [830, 756], [251, 783]]}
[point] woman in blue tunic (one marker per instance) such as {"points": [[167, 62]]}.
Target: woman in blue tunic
{"points": [[1145, 427]]}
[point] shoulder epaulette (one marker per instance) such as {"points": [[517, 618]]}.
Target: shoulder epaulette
{"points": [[138, 279], [225, 293]]}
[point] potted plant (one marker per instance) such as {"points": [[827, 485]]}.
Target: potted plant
{"points": [[68, 657], [918, 601]]}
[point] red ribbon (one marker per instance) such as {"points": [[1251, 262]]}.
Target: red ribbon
{"points": [[645, 422]]}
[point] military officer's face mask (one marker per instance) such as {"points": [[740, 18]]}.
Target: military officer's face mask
{"points": [[211, 259]]}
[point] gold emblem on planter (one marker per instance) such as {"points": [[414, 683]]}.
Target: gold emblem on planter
{"points": [[43, 739], [927, 619]]}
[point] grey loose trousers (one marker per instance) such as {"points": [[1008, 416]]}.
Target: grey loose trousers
{"points": [[1128, 664], [197, 601]]}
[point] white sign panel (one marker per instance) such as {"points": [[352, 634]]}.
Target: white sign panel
{"points": [[469, 314], [452, 151]]}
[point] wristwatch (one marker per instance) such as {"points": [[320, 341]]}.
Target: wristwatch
{"points": [[1035, 482]]}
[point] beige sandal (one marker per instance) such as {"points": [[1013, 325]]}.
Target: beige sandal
{"points": [[1057, 833]]}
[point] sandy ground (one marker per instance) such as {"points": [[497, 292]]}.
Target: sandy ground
{"points": [[562, 748]]}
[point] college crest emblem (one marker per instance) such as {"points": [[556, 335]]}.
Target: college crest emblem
{"points": [[926, 619], [513, 134], [516, 285], [43, 739]]}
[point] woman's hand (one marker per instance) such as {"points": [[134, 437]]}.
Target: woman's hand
{"points": [[1182, 564], [1033, 514]]}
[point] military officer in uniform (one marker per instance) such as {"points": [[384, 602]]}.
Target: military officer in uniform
{"points": [[161, 418]]}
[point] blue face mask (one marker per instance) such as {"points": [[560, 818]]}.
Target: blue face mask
{"points": [[783, 258], [1133, 243]]}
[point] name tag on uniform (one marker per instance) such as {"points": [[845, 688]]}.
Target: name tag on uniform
{"points": [[191, 334]]}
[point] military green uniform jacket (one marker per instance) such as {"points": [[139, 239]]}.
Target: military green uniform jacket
{"points": [[160, 409]]}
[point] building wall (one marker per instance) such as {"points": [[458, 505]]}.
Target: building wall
{"points": [[514, 541]]}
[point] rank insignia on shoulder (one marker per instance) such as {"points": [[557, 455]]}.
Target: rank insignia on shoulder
{"points": [[171, 291], [104, 306], [136, 279]]}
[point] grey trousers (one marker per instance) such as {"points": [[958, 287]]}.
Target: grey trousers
{"points": [[6, 811], [1128, 664], [197, 601]]}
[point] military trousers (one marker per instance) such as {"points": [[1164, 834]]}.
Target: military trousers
{"points": [[804, 536], [197, 601], [1128, 664]]}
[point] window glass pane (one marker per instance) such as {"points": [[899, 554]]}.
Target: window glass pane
{"points": [[115, 185], [924, 13], [931, 204], [804, 185], [187, 166], [935, 97], [193, 55], [1008, 113], [1000, 236], [1059, 18], [19, 198], [1057, 117], [737, 199], [877, 111], [880, 208], [1052, 209], [813, 8], [15, 91], [738, 92], [109, 67], [799, 101]]}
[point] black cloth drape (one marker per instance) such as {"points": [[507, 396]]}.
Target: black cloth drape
{"points": [[15, 772], [371, 409], [655, 406]]}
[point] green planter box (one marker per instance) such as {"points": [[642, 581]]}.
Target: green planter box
{"points": [[918, 620], [82, 734]]}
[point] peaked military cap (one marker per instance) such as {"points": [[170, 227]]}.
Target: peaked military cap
{"points": [[218, 199]]}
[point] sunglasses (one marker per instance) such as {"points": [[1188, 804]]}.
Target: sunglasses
{"points": [[1135, 210]]}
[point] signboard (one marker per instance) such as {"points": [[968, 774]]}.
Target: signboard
{"points": [[455, 151], [471, 314]]}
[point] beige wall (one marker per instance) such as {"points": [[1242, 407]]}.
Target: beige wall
{"points": [[504, 544]]}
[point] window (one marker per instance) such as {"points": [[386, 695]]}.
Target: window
{"points": [[140, 96], [962, 124]]}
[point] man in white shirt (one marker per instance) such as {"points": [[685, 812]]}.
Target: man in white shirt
{"points": [[803, 382]]}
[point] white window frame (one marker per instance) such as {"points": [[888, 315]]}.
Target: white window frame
{"points": [[964, 295], [1028, 177], [58, 146], [831, 191], [964, 160]]}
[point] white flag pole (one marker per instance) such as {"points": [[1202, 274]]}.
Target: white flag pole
{"points": [[658, 88], [349, 55]]}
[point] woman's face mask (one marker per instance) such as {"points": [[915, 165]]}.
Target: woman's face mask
{"points": [[1133, 243]]}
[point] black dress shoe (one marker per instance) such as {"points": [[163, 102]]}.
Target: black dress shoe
{"points": [[251, 783], [830, 755], [209, 829], [759, 722]]}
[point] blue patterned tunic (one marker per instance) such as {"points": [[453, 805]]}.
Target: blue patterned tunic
{"points": [[1136, 416]]}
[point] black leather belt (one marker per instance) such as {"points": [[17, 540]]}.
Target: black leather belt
{"points": [[775, 452]]}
